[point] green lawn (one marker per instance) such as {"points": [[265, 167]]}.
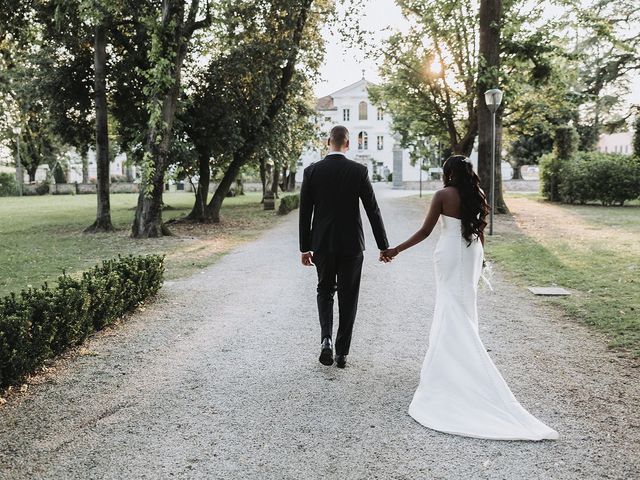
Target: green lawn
{"points": [[591, 250], [42, 236]]}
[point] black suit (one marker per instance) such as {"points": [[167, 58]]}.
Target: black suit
{"points": [[331, 193]]}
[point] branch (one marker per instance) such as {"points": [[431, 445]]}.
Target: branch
{"points": [[192, 24]]}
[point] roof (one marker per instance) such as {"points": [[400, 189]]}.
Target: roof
{"points": [[362, 82], [325, 103]]}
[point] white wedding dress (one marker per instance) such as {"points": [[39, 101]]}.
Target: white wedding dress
{"points": [[461, 391]]}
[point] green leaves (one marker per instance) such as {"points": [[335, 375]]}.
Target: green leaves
{"points": [[39, 323]]}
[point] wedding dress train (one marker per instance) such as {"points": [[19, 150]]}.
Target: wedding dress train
{"points": [[461, 391]]}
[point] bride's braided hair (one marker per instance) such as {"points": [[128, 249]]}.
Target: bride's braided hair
{"points": [[458, 172]]}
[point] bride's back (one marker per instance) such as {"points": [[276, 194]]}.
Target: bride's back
{"points": [[451, 202]]}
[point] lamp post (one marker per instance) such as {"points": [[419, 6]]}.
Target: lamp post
{"points": [[19, 175], [493, 98]]}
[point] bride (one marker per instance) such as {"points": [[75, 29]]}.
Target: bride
{"points": [[461, 391]]}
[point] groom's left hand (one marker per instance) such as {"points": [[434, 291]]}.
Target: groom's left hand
{"points": [[384, 258]]}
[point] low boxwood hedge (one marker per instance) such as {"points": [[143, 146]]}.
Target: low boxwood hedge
{"points": [[289, 203], [38, 324]]}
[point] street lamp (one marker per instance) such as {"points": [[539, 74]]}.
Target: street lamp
{"points": [[493, 98], [19, 175]]}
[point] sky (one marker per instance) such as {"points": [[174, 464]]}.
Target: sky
{"points": [[344, 63]]}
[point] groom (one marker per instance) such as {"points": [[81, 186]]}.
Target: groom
{"points": [[331, 192]]}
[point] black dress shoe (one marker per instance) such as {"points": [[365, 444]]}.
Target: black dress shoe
{"points": [[326, 354], [341, 361]]}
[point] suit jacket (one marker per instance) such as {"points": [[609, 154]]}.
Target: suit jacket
{"points": [[331, 192]]}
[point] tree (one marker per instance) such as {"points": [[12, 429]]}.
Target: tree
{"points": [[435, 76], [489, 77], [429, 75], [22, 99], [170, 42], [78, 34], [68, 75], [103, 215], [607, 46], [527, 150], [286, 35], [294, 129], [213, 116], [28, 108]]}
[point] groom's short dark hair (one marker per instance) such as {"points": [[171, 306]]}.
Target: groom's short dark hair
{"points": [[338, 136]]}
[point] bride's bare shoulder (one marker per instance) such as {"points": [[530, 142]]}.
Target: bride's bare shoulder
{"points": [[448, 193]]}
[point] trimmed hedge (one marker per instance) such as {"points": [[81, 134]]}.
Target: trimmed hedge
{"points": [[289, 203], [591, 177], [8, 185], [38, 324]]}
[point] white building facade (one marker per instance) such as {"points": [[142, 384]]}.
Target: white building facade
{"points": [[621, 142], [372, 142]]}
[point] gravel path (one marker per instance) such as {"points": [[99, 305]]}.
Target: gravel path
{"points": [[219, 379]]}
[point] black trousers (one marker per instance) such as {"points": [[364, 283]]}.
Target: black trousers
{"points": [[339, 273]]}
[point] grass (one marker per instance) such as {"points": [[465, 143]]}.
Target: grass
{"points": [[591, 250], [42, 236]]}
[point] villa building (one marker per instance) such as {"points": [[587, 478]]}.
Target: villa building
{"points": [[616, 143], [372, 143]]}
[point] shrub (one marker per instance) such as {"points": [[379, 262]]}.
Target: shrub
{"points": [[39, 323], [289, 203], [565, 143], [43, 188], [8, 185], [591, 176], [550, 167]]}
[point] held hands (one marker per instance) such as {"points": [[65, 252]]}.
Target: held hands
{"points": [[307, 259], [387, 255]]}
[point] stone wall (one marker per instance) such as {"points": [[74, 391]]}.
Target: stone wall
{"points": [[507, 185]]}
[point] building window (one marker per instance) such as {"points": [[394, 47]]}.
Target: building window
{"points": [[346, 113], [380, 114], [363, 141], [380, 142], [362, 111]]}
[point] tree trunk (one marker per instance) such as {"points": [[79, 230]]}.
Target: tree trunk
{"points": [[284, 178], [290, 184], [276, 181], [465, 145], [263, 177], [172, 41], [517, 174], [215, 205], [32, 174], [202, 191], [269, 200], [84, 155], [488, 77], [148, 219], [103, 216]]}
